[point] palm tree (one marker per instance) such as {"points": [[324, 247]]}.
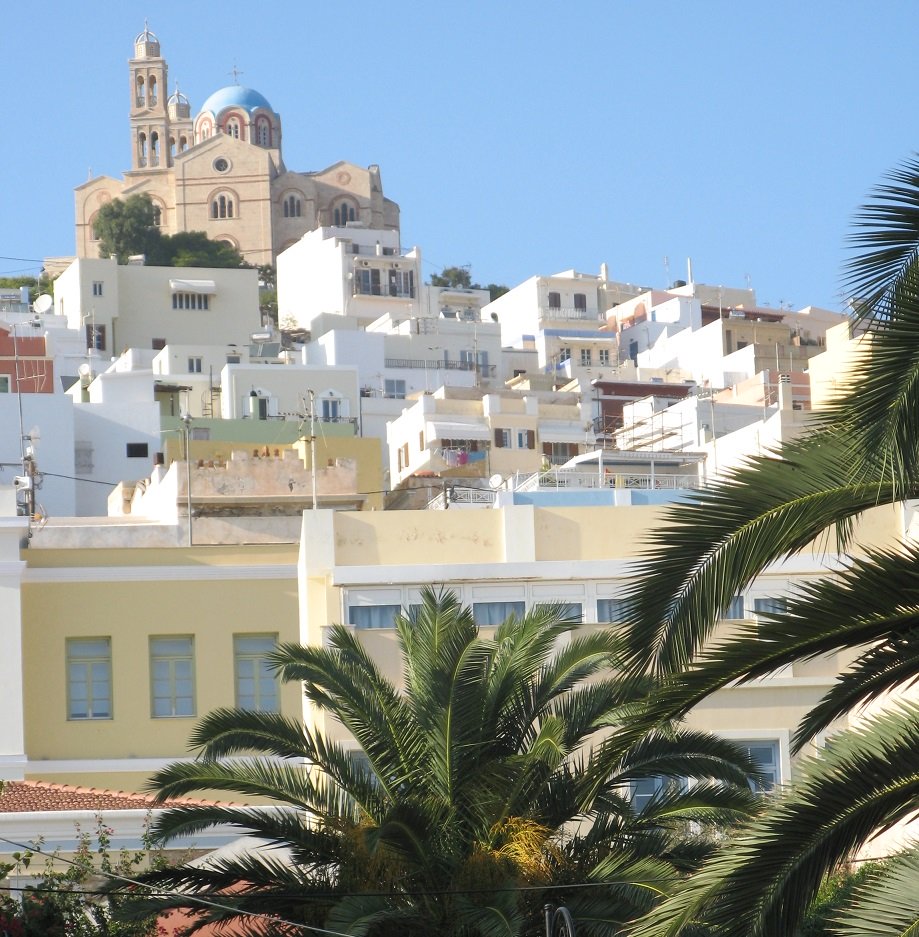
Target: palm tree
{"points": [[863, 453], [476, 795]]}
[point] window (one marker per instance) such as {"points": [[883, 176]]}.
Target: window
{"points": [[152, 91], [95, 337], [141, 97], [97, 287], [330, 409], [765, 754], [4, 383], [222, 206], [142, 149], [194, 365], [172, 676], [526, 439], [292, 207], [564, 354], [373, 616], [481, 360], [221, 164], [394, 389], [735, 609], [342, 214], [493, 613], [610, 609], [555, 300], [644, 790], [154, 149], [573, 611], [585, 357], [774, 605], [136, 450], [604, 356], [89, 678], [256, 684], [367, 282], [157, 217], [190, 301], [580, 301], [232, 128], [402, 283], [263, 133], [467, 359], [502, 439]]}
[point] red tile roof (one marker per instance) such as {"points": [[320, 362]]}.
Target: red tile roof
{"points": [[44, 796]]}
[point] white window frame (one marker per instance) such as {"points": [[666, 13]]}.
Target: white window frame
{"points": [[92, 671], [195, 363], [264, 695], [171, 674]]}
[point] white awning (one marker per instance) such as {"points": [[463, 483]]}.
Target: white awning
{"points": [[438, 429], [562, 432], [205, 287]]}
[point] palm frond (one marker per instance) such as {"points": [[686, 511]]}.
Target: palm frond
{"points": [[887, 904], [762, 883]]}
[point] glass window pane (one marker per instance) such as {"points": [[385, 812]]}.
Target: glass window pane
{"points": [[609, 609]]}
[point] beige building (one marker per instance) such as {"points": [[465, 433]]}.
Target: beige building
{"points": [[222, 171]]}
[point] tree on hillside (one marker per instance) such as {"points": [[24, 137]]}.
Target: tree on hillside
{"points": [[863, 453], [461, 278], [127, 227], [473, 798]]}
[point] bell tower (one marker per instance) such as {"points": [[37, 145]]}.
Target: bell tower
{"points": [[149, 114]]}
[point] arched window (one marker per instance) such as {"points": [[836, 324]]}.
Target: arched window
{"points": [[183, 144], [141, 97], [222, 206], [157, 215], [343, 214], [93, 233], [154, 149], [232, 128], [142, 149], [292, 207], [172, 146], [262, 132], [152, 94]]}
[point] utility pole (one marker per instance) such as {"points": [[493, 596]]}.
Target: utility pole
{"points": [[186, 434], [313, 445]]}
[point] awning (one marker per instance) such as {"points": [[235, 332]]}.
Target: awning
{"points": [[205, 287], [562, 432], [438, 429]]}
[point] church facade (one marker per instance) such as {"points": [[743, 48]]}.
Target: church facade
{"points": [[222, 171]]}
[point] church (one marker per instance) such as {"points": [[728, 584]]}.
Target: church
{"points": [[222, 171]]}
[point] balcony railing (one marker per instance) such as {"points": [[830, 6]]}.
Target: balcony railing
{"points": [[569, 312], [461, 496], [438, 364], [578, 478]]}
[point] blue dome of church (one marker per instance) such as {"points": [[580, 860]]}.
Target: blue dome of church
{"points": [[235, 96]]}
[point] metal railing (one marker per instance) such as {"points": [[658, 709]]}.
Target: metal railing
{"points": [[461, 496], [569, 312], [579, 478], [438, 364]]}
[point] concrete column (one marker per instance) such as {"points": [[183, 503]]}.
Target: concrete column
{"points": [[12, 724]]}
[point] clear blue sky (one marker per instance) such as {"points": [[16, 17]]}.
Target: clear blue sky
{"points": [[520, 138]]}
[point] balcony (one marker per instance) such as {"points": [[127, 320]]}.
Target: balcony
{"points": [[569, 313], [577, 478], [485, 370]]}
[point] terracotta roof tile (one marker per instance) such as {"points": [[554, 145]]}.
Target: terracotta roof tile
{"points": [[40, 796]]}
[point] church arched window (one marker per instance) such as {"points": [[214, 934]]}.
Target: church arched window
{"points": [[343, 213], [157, 214], [152, 91], [232, 127], [262, 132], [222, 206], [154, 149], [140, 92], [93, 233], [292, 207], [142, 149]]}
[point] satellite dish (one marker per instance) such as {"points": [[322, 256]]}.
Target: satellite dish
{"points": [[43, 304], [496, 481]]}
